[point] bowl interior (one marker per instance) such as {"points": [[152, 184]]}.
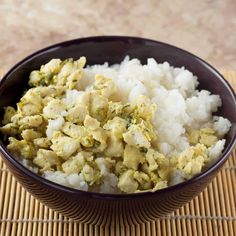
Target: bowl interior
{"points": [[113, 49]]}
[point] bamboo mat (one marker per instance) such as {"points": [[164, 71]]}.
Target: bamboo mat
{"points": [[213, 212]]}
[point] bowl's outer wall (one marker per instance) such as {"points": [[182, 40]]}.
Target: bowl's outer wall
{"points": [[93, 209]]}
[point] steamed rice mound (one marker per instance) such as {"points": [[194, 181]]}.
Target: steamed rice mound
{"points": [[123, 128]]}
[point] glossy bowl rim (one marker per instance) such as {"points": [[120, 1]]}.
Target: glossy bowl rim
{"points": [[115, 196]]}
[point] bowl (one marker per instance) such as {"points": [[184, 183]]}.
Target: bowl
{"points": [[98, 208]]}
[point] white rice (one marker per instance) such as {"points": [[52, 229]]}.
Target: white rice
{"points": [[179, 104], [54, 125], [71, 180]]}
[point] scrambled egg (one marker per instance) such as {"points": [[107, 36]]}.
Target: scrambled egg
{"points": [[59, 127]]}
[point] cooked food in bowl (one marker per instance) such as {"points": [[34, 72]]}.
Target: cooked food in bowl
{"points": [[123, 128]]}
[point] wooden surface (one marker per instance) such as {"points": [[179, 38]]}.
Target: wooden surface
{"points": [[213, 212]]}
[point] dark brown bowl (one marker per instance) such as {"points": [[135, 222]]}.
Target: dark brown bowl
{"points": [[97, 208]]}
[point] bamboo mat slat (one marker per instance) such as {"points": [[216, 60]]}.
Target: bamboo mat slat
{"points": [[213, 212]]}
